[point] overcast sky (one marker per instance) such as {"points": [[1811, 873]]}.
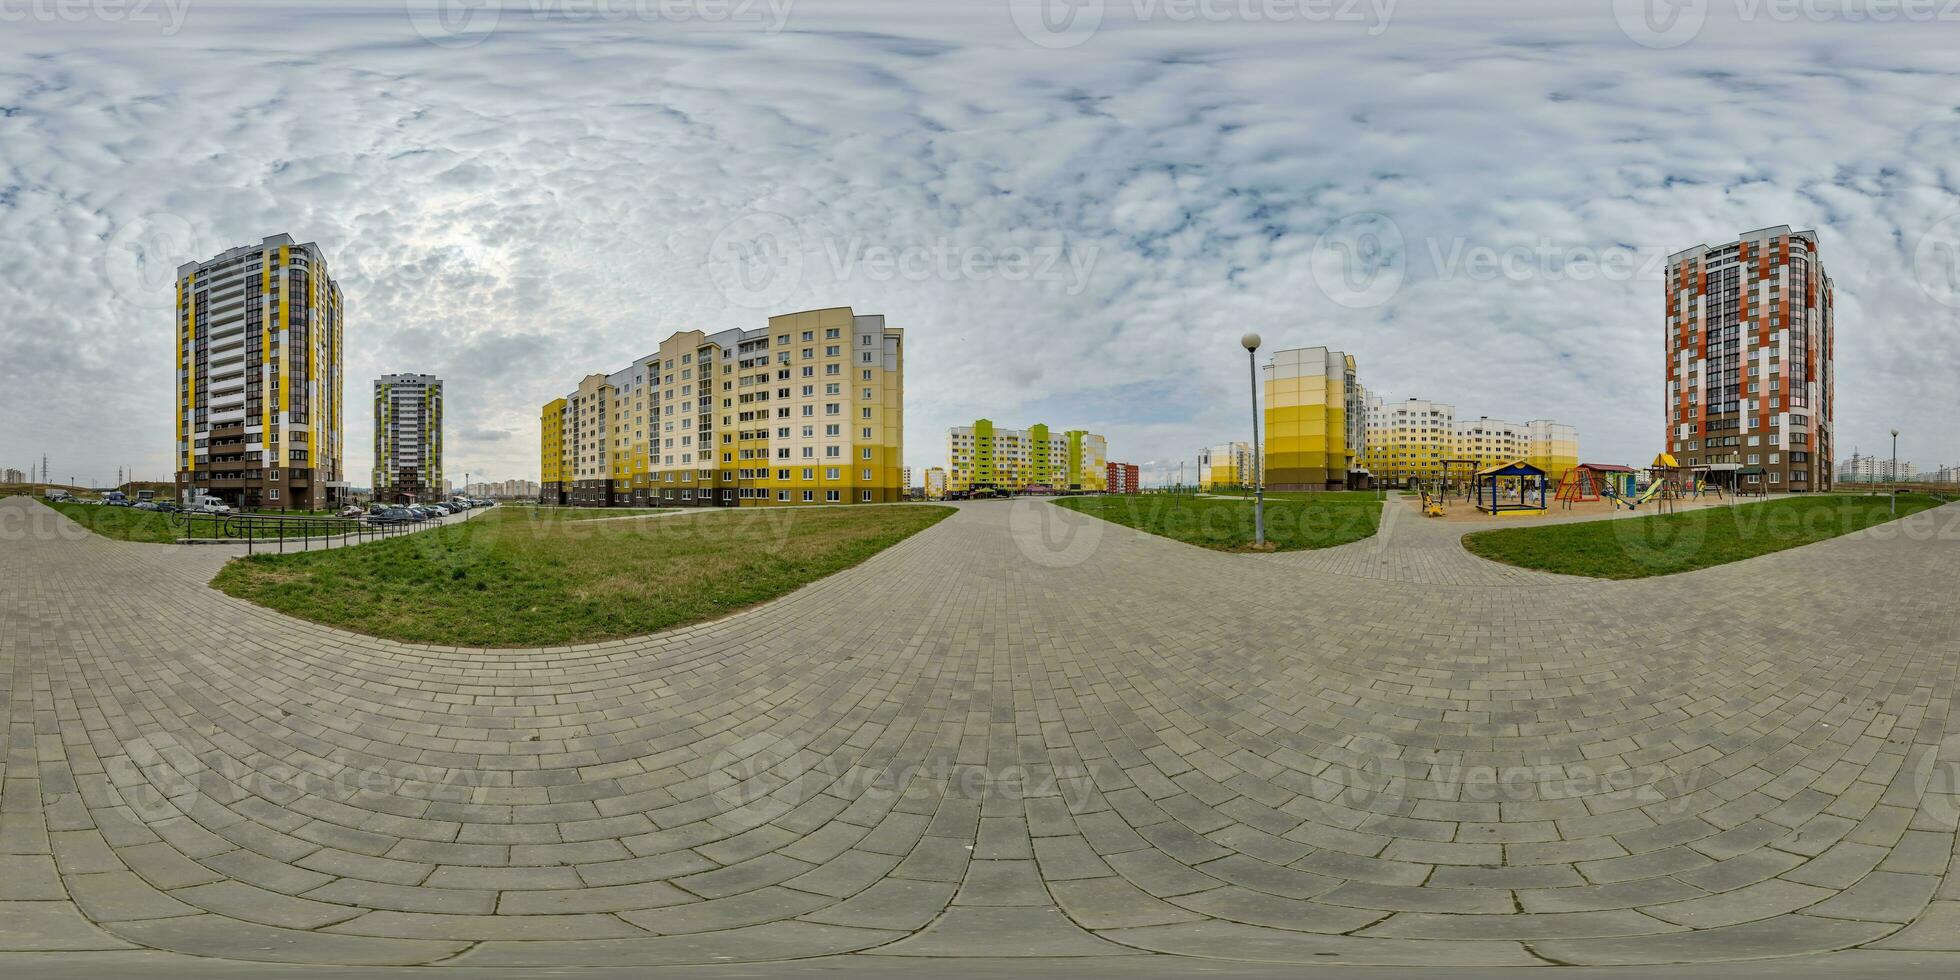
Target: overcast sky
{"points": [[1072, 216]]}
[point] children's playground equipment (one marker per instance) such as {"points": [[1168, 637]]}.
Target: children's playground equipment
{"points": [[1508, 489], [1667, 482], [1750, 483], [1460, 476], [1587, 482], [1432, 499]]}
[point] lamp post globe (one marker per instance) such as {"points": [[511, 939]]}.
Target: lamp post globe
{"points": [[1250, 341]]}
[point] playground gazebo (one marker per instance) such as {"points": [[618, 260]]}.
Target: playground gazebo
{"points": [[1496, 484]]}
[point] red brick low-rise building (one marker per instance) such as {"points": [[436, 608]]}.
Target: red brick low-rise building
{"points": [[1123, 478]]}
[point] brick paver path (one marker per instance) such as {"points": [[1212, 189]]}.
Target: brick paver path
{"points": [[1020, 732]]}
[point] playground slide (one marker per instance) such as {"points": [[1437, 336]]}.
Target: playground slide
{"points": [[1652, 489]]}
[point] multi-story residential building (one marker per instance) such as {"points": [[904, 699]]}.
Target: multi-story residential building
{"points": [[554, 458], [1408, 440], [11, 475], [1550, 446], [1876, 469], [258, 377], [935, 483], [407, 437], [905, 478], [1123, 478], [1750, 371], [504, 489], [985, 457], [1315, 415], [1226, 465], [1411, 440], [808, 409]]}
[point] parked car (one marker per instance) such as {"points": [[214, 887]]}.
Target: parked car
{"points": [[165, 506], [144, 505], [391, 515], [210, 505], [351, 510]]}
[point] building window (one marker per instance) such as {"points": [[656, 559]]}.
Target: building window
{"points": [[809, 496]]}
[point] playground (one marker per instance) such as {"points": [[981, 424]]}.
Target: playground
{"points": [[1501, 494], [1459, 511]]}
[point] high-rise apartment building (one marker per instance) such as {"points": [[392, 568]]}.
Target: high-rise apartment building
{"points": [[1410, 440], [1123, 478], [554, 461], [11, 475], [983, 456], [1226, 465], [808, 409], [258, 377], [935, 483], [407, 437], [1314, 420], [1749, 342]]}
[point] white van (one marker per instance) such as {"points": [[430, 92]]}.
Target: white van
{"points": [[211, 505]]}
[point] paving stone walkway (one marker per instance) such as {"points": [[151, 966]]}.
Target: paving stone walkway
{"points": [[1021, 732]]}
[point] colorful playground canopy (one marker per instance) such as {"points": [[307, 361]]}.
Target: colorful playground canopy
{"points": [[1516, 467], [1665, 461]]}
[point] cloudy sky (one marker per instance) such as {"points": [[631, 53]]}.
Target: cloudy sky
{"points": [[1073, 211]]}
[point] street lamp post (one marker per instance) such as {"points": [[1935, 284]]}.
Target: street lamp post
{"points": [[1251, 344], [1895, 472]]}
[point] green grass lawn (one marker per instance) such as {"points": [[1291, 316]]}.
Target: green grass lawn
{"points": [[504, 579], [1323, 495], [125, 523], [1294, 521], [584, 513], [1663, 544]]}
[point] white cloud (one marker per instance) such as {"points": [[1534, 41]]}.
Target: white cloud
{"points": [[516, 213]]}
